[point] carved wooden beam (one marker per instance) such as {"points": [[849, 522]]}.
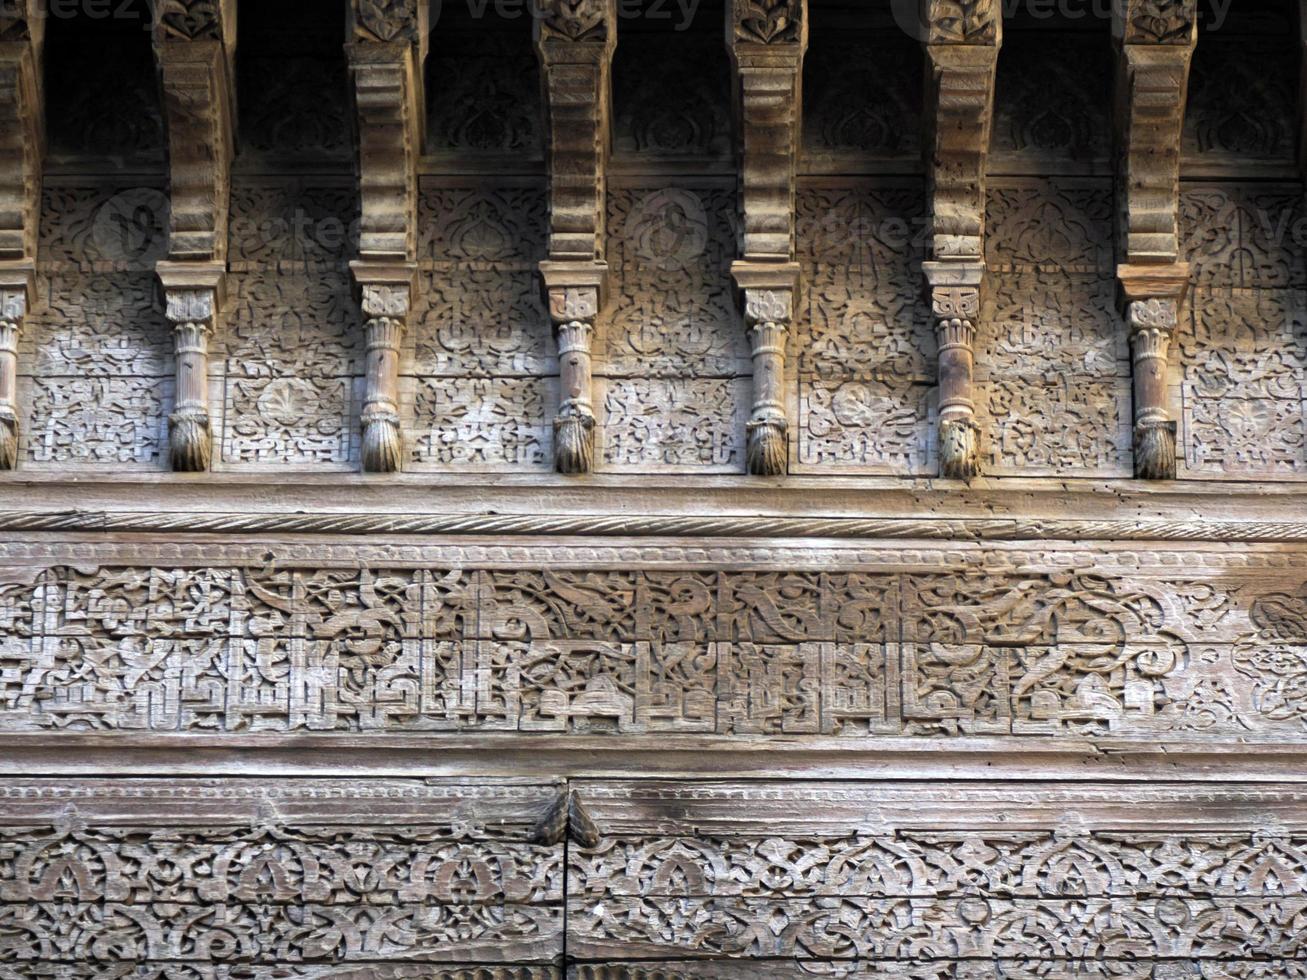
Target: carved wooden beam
{"points": [[22, 143], [962, 42], [195, 46], [767, 40], [1156, 46], [575, 40], [386, 51]]}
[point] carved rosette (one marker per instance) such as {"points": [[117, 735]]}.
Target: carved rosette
{"points": [[767, 316], [13, 308], [573, 311], [1152, 325], [192, 310], [955, 306], [386, 301]]}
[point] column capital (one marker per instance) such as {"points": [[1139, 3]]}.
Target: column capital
{"points": [[1138, 282]]}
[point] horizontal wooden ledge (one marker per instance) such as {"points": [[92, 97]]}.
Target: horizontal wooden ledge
{"points": [[739, 528], [650, 757], [656, 507]]}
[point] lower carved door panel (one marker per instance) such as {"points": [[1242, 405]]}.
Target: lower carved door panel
{"points": [[500, 879], [936, 880], [247, 879]]}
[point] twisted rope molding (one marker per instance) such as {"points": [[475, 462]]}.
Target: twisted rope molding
{"points": [[533, 525]]}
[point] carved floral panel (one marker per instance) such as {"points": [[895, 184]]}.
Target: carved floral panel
{"points": [[485, 94], [939, 880], [97, 352], [671, 94], [481, 386], [864, 354], [1243, 384], [672, 360], [1242, 94], [862, 97], [1244, 235], [1052, 103], [290, 876]]}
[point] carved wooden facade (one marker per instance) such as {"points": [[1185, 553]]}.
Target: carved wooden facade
{"points": [[758, 488]]}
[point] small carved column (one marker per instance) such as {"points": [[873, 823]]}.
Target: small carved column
{"points": [[1156, 48], [194, 45], [385, 55], [770, 291], [955, 306], [575, 40], [386, 299], [767, 41], [21, 147], [14, 290], [962, 46], [192, 295], [1153, 297], [573, 309]]}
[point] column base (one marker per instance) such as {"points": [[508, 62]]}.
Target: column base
{"points": [[959, 449], [768, 448], [383, 444], [190, 441], [8, 438], [574, 443], [1155, 450]]}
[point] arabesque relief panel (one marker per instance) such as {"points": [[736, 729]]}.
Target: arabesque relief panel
{"points": [[1189, 645]]}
